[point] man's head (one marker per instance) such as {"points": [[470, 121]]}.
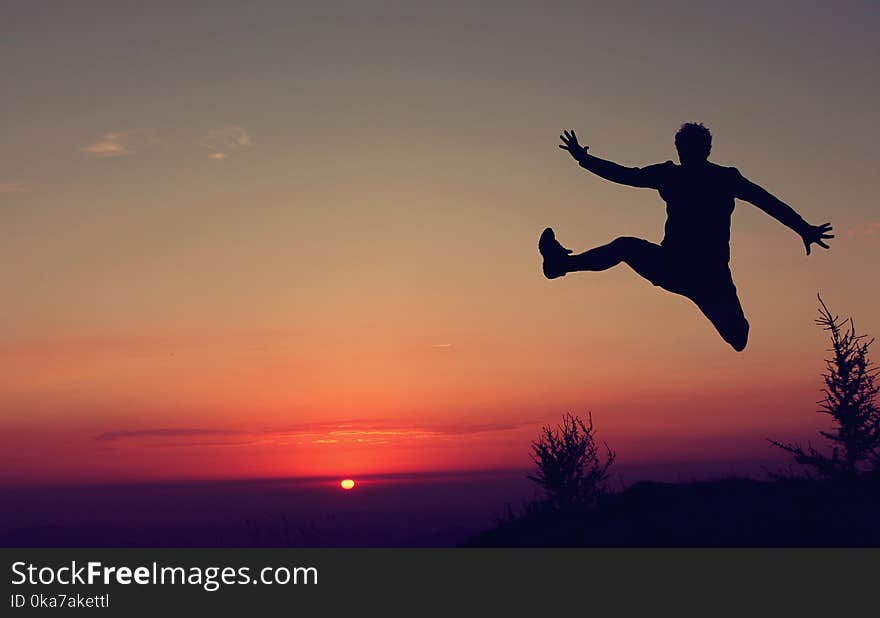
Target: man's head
{"points": [[693, 142]]}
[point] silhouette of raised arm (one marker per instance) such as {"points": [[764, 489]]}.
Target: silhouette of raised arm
{"points": [[631, 176], [785, 214]]}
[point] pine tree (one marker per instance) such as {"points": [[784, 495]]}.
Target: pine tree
{"points": [[850, 399]]}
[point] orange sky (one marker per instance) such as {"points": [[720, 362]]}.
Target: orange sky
{"points": [[276, 241]]}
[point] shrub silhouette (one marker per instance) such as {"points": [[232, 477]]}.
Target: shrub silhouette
{"points": [[570, 469], [850, 399]]}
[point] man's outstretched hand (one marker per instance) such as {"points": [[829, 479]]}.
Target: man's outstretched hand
{"points": [[570, 143], [816, 234]]}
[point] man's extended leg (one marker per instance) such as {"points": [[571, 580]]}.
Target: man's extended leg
{"points": [[646, 258]]}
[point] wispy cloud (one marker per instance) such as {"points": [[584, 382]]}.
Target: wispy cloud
{"points": [[14, 187], [221, 141], [358, 432], [109, 145], [225, 140], [871, 228]]}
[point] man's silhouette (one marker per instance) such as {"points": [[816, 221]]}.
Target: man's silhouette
{"points": [[692, 260]]}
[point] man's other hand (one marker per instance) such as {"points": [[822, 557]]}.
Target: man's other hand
{"points": [[570, 144]]}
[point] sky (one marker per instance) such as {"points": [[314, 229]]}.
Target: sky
{"points": [[268, 239]]}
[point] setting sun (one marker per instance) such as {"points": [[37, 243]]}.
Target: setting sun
{"points": [[347, 484]]}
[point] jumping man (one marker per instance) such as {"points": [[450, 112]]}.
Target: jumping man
{"points": [[692, 259]]}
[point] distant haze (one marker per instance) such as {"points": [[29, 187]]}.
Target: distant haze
{"points": [[267, 239]]}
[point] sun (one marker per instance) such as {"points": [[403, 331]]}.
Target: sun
{"points": [[346, 484]]}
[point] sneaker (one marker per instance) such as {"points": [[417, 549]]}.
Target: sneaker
{"points": [[554, 254]]}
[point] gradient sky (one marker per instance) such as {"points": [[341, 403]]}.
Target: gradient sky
{"points": [[267, 239]]}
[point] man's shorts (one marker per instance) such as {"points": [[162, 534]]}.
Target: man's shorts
{"points": [[698, 280]]}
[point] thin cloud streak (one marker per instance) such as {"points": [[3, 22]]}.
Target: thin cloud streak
{"points": [[871, 228], [165, 433], [14, 187], [362, 432]]}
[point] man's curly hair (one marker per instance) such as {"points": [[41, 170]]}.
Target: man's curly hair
{"points": [[693, 140]]}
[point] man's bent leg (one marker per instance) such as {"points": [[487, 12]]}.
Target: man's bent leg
{"points": [[726, 314]]}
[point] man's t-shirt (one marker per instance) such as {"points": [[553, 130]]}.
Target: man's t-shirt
{"points": [[699, 204]]}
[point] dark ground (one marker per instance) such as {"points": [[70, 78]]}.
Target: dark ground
{"points": [[438, 511], [427, 510], [725, 513]]}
